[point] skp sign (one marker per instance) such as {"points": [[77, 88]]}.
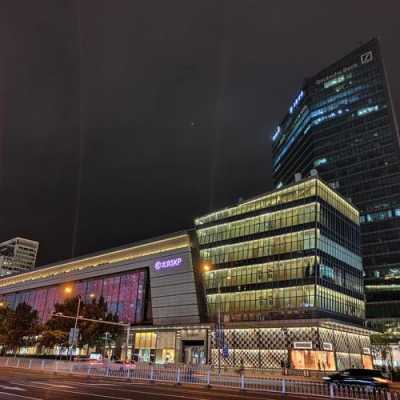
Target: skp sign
{"points": [[167, 264]]}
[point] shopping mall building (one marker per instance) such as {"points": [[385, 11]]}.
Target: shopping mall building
{"points": [[275, 280]]}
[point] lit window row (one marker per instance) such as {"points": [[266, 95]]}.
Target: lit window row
{"points": [[367, 110], [332, 107], [261, 300], [298, 268], [284, 299], [339, 252], [328, 299], [335, 81], [281, 244], [332, 198], [261, 223], [285, 195], [381, 215], [338, 276]]}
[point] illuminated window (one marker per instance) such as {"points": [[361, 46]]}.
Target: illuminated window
{"points": [[296, 102], [367, 110], [320, 161], [326, 271], [334, 81], [276, 134]]}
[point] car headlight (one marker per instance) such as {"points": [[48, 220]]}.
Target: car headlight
{"points": [[381, 380]]}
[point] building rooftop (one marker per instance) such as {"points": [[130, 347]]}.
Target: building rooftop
{"points": [[269, 197], [127, 252]]}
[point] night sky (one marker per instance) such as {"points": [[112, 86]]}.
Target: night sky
{"points": [[154, 112]]}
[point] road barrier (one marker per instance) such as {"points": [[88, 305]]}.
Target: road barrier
{"points": [[202, 376]]}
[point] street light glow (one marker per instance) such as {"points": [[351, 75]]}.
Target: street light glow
{"points": [[68, 290], [206, 267]]}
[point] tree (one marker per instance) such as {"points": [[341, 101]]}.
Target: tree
{"points": [[4, 311], [91, 333], [51, 338], [20, 325], [67, 308]]}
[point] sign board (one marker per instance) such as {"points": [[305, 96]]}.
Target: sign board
{"points": [[302, 345], [327, 346], [366, 350], [225, 351], [167, 264], [73, 336], [219, 336]]}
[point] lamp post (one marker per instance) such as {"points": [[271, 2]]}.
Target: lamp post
{"points": [[218, 336], [68, 290], [122, 324]]}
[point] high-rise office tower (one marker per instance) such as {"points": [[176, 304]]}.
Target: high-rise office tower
{"points": [[17, 255], [342, 124]]}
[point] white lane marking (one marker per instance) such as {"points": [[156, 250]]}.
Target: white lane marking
{"points": [[115, 397], [21, 396], [52, 384], [12, 388], [93, 384], [195, 391]]}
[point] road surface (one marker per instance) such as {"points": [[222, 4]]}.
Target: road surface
{"points": [[29, 385]]}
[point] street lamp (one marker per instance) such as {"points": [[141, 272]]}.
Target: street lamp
{"points": [[68, 290], [207, 268], [100, 321]]}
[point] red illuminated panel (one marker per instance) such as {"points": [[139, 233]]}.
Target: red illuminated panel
{"points": [[124, 295]]}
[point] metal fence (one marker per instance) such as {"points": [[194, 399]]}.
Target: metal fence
{"points": [[201, 376]]}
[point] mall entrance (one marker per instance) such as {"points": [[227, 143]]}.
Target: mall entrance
{"points": [[194, 352]]}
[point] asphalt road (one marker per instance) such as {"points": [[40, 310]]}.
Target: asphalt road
{"points": [[27, 385]]}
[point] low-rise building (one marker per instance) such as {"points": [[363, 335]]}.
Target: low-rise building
{"points": [[273, 281]]}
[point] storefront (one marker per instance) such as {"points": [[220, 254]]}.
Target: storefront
{"points": [[320, 346], [169, 345]]}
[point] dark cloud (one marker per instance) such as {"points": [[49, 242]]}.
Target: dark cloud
{"points": [[175, 102]]}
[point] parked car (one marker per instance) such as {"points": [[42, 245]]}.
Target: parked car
{"points": [[89, 361], [359, 376], [125, 364]]}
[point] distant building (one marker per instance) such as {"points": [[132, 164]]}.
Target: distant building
{"points": [[17, 255], [342, 125]]}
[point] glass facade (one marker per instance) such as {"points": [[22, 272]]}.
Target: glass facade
{"points": [[292, 253], [124, 294], [344, 127]]}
